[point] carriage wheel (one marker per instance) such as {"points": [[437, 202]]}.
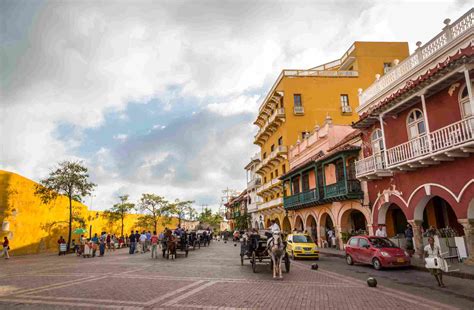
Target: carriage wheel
{"points": [[254, 262], [241, 259], [287, 263]]}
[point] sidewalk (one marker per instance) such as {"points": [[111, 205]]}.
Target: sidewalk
{"points": [[462, 270]]}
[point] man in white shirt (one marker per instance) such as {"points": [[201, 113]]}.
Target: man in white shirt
{"points": [[380, 232]]}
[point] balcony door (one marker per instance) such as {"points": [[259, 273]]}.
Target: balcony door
{"points": [[417, 133], [377, 148]]}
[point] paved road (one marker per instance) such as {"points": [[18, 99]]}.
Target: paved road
{"points": [[212, 278]]}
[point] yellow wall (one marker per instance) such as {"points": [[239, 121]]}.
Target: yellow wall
{"points": [[321, 95], [35, 227]]}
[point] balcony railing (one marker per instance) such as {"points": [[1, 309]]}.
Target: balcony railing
{"points": [[323, 73], [430, 50], [298, 110], [438, 142], [336, 189], [301, 198], [271, 203], [278, 114]]}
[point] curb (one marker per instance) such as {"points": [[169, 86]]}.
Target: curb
{"points": [[454, 274]]}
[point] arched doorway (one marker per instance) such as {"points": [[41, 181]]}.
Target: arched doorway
{"points": [[286, 225], [278, 222], [311, 227], [299, 224], [354, 222], [326, 225], [395, 221], [439, 214], [268, 223], [255, 225]]}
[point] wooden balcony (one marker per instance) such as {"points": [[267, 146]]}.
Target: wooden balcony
{"points": [[342, 190], [270, 126], [278, 155], [444, 144]]}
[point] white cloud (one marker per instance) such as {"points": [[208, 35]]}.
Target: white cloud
{"points": [[120, 137], [85, 59]]}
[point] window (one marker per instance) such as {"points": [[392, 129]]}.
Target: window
{"points": [[271, 175], [272, 148], [466, 109], [363, 242], [305, 182], [297, 100], [276, 173], [264, 155], [344, 100], [280, 141], [304, 134], [415, 124], [265, 180], [353, 241], [377, 141], [283, 169], [386, 67]]}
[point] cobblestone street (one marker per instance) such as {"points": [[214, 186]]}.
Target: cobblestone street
{"points": [[210, 278]]}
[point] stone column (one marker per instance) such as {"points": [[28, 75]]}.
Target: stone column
{"points": [[370, 229], [469, 236], [417, 237]]}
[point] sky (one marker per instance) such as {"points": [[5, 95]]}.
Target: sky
{"points": [[160, 96]]}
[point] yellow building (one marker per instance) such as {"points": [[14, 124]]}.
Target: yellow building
{"points": [[34, 227], [300, 101]]}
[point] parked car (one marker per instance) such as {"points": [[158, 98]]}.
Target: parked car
{"points": [[376, 251], [301, 246]]}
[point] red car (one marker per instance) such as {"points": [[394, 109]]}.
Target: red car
{"points": [[376, 251]]}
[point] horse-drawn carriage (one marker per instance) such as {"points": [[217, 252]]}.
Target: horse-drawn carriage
{"points": [[254, 247], [193, 240], [203, 237], [171, 244]]}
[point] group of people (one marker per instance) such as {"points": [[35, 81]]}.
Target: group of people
{"points": [[88, 247]]}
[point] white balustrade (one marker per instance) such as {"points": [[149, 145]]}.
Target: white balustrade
{"points": [[421, 55], [442, 140], [271, 203]]}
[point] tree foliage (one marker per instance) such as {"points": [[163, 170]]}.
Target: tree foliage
{"points": [[242, 221], [207, 217], [154, 207], [182, 208], [71, 179], [119, 211]]}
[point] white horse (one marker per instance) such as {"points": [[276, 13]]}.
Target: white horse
{"points": [[276, 249]]}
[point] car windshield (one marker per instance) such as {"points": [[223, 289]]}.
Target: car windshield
{"points": [[382, 243], [302, 239]]}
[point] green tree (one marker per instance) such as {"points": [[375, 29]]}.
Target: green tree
{"points": [[154, 207], [180, 208], [242, 221], [120, 210], [70, 179], [209, 218]]}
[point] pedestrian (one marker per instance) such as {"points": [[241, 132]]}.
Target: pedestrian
{"points": [[102, 242], [61, 246], [108, 241], [95, 242], [137, 240], [148, 241], [132, 241], [433, 251], [154, 245], [143, 242], [380, 232], [409, 237], [6, 248]]}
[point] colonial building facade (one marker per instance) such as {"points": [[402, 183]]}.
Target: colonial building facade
{"points": [[418, 135], [321, 193], [301, 99], [236, 207], [253, 200]]}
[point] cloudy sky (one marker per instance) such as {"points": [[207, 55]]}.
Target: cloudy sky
{"points": [[160, 96]]}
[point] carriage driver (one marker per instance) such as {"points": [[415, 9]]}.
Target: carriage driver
{"points": [[275, 229]]}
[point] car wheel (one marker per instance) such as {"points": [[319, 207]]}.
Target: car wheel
{"points": [[349, 260], [376, 263]]}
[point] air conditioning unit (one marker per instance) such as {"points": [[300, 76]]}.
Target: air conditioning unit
{"points": [[346, 109]]}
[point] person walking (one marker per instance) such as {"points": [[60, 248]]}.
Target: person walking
{"points": [[143, 242], [132, 241], [154, 245], [61, 249], [102, 242], [95, 242], [137, 240], [6, 248], [433, 251], [108, 241], [380, 232]]}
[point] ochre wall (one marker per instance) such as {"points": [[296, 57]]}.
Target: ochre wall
{"points": [[35, 227]]}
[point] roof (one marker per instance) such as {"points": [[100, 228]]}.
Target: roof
{"points": [[425, 78]]}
